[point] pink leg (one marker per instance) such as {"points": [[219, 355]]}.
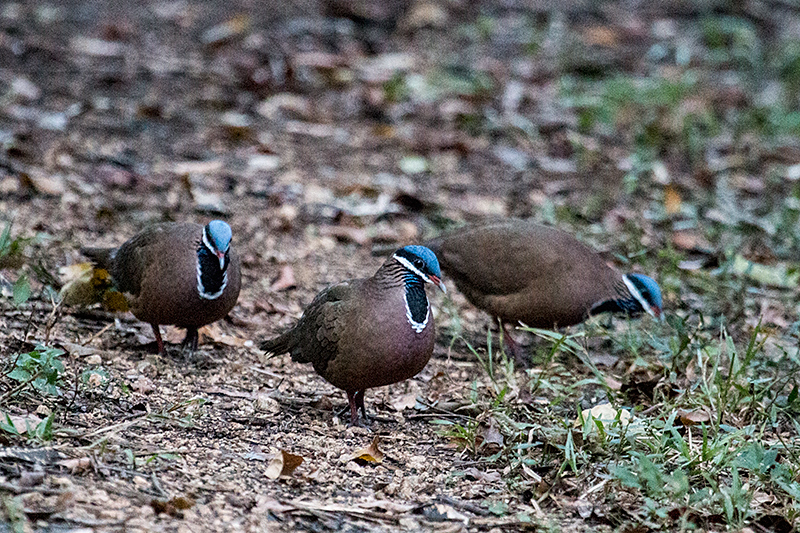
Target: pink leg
{"points": [[514, 349], [351, 398], [160, 342]]}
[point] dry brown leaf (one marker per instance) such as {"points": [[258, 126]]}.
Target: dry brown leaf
{"points": [[285, 279], [672, 200], [23, 423], [283, 464], [214, 332], [370, 454], [77, 464], [346, 233], [601, 36], [143, 385], [692, 240], [490, 437], [172, 507], [404, 401], [479, 475], [691, 418]]}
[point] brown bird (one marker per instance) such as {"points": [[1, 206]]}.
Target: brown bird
{"points": [[371, 332], [517, 270], [182, 274]]}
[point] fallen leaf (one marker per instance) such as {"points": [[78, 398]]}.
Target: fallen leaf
{"points": [[584, 508], [23, 423], [370, 454], [225, 31], [172, 507], [672, 200], [490, 437], [346, 233], [143, 385], [285, 279], [775, 275], [479, 475], [77, 464], [604, 413], [404, 401], [440, 512], [690, 418], [283, 464]]}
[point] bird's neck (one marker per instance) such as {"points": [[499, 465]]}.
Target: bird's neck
{"points": [[416, 303], [211, 279], [622, 302]]}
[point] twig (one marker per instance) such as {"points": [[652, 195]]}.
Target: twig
{"points": [[157, 485], [52, 319], [19, 387], [16, 489], [94, 336], [464, 506], [268, 373]]}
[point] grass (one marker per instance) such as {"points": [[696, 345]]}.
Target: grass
{"points": [[715, 445]]}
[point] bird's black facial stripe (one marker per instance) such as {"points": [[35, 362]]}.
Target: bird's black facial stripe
{"points": [[413, 263], [211, 280], [417, 307]]}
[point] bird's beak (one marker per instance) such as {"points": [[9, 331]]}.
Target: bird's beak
{"points": [[657, 313], [221, 257], [438, 282]]}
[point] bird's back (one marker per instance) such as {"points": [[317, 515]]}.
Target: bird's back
{"points": [[519, 270]]}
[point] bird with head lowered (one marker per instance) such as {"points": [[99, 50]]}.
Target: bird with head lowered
{"points": [[520, 271]]}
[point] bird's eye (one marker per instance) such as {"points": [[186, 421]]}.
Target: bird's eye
{"points": [[419, 263]]}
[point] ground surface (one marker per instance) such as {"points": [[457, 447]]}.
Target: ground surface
{"points": [[329, 134]]}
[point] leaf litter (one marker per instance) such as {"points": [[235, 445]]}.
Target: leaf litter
{"points": [[325, 153]]}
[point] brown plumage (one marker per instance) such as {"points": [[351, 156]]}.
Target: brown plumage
{"points": [[369, 332], [157, 271], [518, 270]]}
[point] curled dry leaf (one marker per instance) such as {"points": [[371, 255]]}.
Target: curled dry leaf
{"points": [[370, 454], [215, 333], [283, 464]]}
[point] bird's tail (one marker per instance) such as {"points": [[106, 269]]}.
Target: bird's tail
{"points": [[101, 257], [278, 345]]}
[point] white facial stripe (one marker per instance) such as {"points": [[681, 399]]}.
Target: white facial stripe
{"points": [[418, 327], [406, 263], [206, 243], [638, 295]]}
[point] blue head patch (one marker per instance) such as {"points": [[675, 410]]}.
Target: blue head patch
{"points": [[219, 235], [415, 253], [649, 289]]}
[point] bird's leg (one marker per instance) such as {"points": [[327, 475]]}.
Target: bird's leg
{"points": [[160, 342], [359, 397], [191, 340], [351, 398], [513, 347]]}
